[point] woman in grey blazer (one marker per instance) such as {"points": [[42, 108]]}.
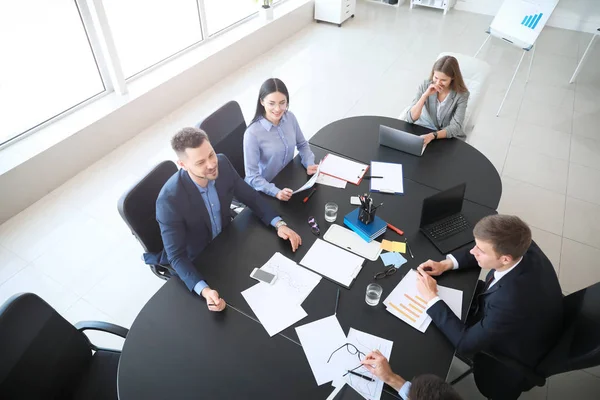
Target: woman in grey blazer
{"points": [[441, 102]]}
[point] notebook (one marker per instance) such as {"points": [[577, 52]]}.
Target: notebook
{"points": [[367, 232]]}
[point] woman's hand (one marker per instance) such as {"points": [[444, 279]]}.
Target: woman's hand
{"points": [[433, 88], [312, 169], [428, 137], [284, 194]]}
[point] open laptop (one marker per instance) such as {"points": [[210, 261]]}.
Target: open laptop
{"points": [[442, 221], [400, 140]]}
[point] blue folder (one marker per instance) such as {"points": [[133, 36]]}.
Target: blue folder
{"points": [[367, 232]]}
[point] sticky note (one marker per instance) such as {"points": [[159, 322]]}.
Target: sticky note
{"points": [[392, 258], [389, 245]]}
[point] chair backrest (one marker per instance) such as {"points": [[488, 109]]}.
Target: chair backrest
{"points": [[42, 356], [137, 206], [225, 128], [579, 345]]}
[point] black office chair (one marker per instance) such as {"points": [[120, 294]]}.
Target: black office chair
{"points": [[225, 128], [577, 348], [43, 356], [137, 207]]}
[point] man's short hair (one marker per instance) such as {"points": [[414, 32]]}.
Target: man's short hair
{"points": [[188, 138], [431, 387], [508, 234]]}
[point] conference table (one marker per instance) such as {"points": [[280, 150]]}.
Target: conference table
{"points": [[177, 349]]}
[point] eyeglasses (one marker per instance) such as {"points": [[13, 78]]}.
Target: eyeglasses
{"points": [[282, 106], [385, 273], [352, 349], [314, 228]]}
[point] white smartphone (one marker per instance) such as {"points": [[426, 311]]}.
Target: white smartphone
{"points": [[263, 276], [354, 200]]}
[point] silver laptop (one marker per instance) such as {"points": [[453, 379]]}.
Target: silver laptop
{"points": [[400, 140]]}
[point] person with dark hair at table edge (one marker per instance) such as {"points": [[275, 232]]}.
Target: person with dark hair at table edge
{"points": [[193, 207], [517, 313], [423, 387], [271, 138]]}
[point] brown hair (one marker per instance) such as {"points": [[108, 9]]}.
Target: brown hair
{"points": [[448, 65], [431, 387], [508, 234], [188, 138]]}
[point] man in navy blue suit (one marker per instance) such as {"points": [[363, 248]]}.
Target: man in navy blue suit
{"points": [[194, 206], [516, 313]]}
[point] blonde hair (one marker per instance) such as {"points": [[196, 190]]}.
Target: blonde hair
{"points": [[448, 65]]}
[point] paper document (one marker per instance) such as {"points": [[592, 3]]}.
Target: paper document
{"points": [[344, 169], [273, 314], [310, 182], [333, 262], [331, 181], [392, 181], [293, 283], [319, 340], [366, 343]]}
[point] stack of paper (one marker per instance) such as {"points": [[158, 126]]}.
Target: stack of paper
{"points": [[392, 180], [321, 339], [406, 303], [278, 306], [333, 262], [331, 181]]}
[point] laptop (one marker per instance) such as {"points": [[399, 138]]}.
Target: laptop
{"points": [[442, 221], [400, 140]]}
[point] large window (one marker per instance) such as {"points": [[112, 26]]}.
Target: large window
{"points": [[47, 64], [146, 32], [223, 13]]}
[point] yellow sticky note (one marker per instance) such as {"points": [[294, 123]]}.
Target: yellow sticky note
{"points": [[389, 245]]}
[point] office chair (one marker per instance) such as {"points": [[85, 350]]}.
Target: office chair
{"points": [[225, 128], [577, 348], [137, 207], [45, 357]]}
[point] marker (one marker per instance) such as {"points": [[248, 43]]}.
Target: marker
{"points": [[398, 231], [308, 197]]}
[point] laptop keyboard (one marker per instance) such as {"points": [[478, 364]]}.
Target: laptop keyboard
{"points": [[449, 227]]}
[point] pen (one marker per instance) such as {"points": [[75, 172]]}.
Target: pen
{"points": [[362, 376], [308, 197], [337, 301], [373, 177], [408, 247], [398, 231]]}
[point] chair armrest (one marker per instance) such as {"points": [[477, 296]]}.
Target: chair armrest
{"points": [[103, 327], [531, 375]]}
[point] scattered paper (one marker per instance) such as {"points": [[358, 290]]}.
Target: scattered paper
{"points": [[392, 258], [398, 247], [331, 181], [333, 262], [310, 183], [319, 340]]}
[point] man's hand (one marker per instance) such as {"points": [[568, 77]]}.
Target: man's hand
{"points": [[286, 233], [284, 194], [435, 268], [379, 366], [213, 301], [312, 169], [426, 285]]}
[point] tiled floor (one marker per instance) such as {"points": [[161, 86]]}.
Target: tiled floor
{"points": [[72, 248]]}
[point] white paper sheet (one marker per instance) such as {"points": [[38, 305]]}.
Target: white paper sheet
{"points": [[310, 183], [274, 315], [293, 283], [342, 168], [333, 262], [319, 339], [366, 343], [331, 181], [452, 297], [392, 181]]}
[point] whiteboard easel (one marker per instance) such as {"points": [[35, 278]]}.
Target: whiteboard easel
{"points": [[520, 22]]}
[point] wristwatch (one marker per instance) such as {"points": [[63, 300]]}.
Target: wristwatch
{"points": [[434, 135], [280, 224]]}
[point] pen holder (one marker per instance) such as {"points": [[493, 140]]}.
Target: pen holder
{"points": [[365, 216]]}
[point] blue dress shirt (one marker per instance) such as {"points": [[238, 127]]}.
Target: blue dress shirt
{"points": [[269, 148], [213, 206], [403, 392]]}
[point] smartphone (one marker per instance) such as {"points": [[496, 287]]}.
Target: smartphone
{"points": [[354, 200], [263, 276]]}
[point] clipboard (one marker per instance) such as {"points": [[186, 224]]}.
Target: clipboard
{"points": [[351, 241], [343, 168], [333, 263], [392, 181]]}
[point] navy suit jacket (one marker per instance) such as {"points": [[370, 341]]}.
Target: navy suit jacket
{"points": [[519, 317], [184, 221]]}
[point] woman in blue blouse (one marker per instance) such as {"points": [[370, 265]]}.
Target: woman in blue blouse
{"points": [[270, 139]]}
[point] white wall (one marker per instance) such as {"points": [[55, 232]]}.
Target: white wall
{"points": [[30, 181], [579, 15]]}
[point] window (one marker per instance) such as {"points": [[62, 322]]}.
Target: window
{"points": [[47, 64], [147, 32], [223, 13]]}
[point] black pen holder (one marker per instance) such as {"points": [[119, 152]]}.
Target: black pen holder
{"points": [[365, 216]]}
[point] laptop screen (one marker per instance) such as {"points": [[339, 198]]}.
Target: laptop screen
{"points": [[443, 204]]}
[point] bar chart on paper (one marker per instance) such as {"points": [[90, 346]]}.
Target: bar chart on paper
{"points": [[531, 21], [406, 303]]}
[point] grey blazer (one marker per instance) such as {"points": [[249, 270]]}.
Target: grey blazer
{"points": [[454, 117]]}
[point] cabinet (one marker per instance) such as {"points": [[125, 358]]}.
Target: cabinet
{"points": [[440, 4], [334, 11]]}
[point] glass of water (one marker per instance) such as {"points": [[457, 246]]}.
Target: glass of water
{"points": [[374, 292], [331, 210]]}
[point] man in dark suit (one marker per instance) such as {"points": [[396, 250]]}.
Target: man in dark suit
{"points": [[517, 313], [194, 206]]}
